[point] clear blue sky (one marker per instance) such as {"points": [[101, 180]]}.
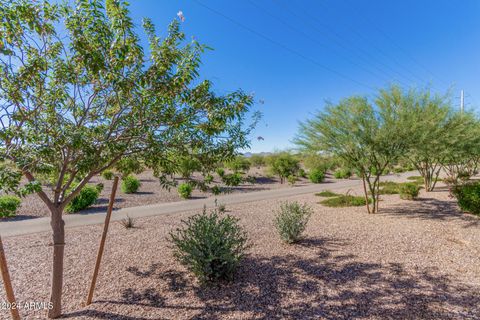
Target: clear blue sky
{"points": [[296, 54]]}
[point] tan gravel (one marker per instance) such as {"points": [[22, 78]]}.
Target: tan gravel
{"points": [[414, 260]]}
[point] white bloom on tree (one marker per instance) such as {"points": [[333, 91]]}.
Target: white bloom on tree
{"points": [[181, 16]]}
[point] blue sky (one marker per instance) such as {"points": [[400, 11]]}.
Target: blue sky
{"points": [[296, 54]]}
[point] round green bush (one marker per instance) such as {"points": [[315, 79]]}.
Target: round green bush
{"points": [[216, 190], [408, 191], [342, 173], [233, 179], [107, 174], [316, 175], [220, 172], [291, 220], [211, 245], [185, 190], [130, 184], [292, 179], [9, 206], [468, 197], [208, 179], [87, 196]]}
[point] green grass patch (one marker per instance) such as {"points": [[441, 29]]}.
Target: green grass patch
{"points": [[344, 200], [327, 194], [389, 187]]}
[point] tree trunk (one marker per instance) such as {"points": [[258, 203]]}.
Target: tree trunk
{"points": [[58, 229], [366, 193]]}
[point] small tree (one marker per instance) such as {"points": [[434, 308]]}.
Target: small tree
{"points": [[284, 165], [78, 94], [368, 139]]}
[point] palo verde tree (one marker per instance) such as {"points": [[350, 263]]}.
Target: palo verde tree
{"points": [[365, 137], [78, 93]]}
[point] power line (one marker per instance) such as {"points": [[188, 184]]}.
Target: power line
{"points": [[293, 51], [405, 52], [318, 42], [356, 50]]}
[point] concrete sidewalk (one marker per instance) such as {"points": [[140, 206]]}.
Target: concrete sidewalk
{"points": [[14, 228]]}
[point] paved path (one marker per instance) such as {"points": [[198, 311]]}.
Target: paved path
{"points": [[14, 228]]}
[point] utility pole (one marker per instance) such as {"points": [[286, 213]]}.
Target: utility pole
{"points": [[461, 100]]}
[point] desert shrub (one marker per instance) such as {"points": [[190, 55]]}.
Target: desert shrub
{"points": [[128, 222], [284, 165], [316, 175], [327, 194], [239, 164], [302, 173], [232, 179], [389, 187], [208, 179], [257, 160], [211, 245], [342, 173], [345, 200], [216, 190], [130, 184], [468, 197], [292, 179], [9, 206], [291, 219], [107, 174], [220, 172], [87, 197], [187, 166], [408, 191], [185, 190], [250, 179]]}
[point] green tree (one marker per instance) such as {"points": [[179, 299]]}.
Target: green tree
{"points": [[78, 93], [365, 137], [284, 165]]}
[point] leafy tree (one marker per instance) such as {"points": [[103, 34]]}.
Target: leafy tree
{"points": [[284, 165], [78, 93], [365, 137]]}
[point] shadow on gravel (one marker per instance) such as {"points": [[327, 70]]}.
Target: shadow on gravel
{"points": [[428, 208], [313, 283]]}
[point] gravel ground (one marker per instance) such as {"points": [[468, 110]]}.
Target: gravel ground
{"points": [[150, 193], [414, 260]]}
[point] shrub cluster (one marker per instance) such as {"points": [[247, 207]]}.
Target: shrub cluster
{"points": [[9, 206], [408, 191], [316, 175], [342, 173], [345, 200], [327, 194], [211, 245], [87, 197], [107, 174], [468, 197], [291, 220], [185, 190], [130, 184], [232, 179]]}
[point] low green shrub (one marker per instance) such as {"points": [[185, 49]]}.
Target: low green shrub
{"points": [[216, 190], [208, 179], [389, 187], [232, 179], [87, 197], [291, 220], [130, 184], [108, 174], [316, 175], [211, 245], [185, 190], [292, 179], [9, 206], [239, 164], [327, 194], [344, 200], [342, 173], [468, 197], [220, 172], [408, 191]]}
